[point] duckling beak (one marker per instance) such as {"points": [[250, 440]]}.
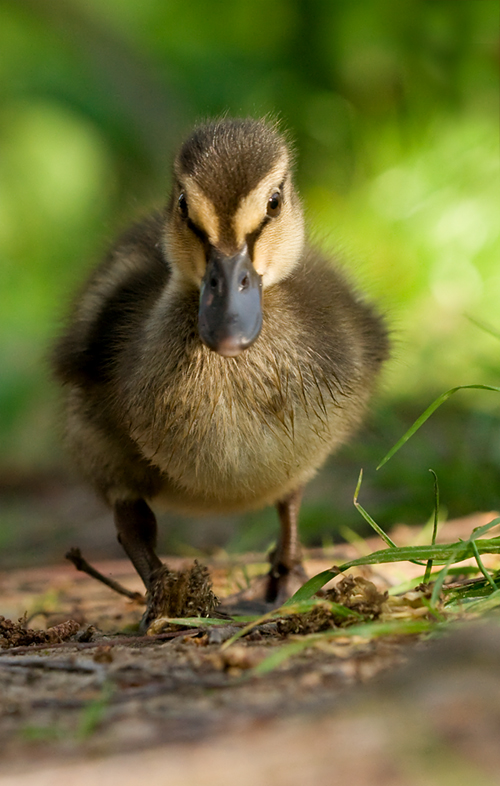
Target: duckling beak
{"points": [[230, 313]]}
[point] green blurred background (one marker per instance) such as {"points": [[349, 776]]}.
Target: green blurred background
{"points": [[393, 106]]}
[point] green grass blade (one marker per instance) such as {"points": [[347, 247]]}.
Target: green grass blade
{"points": [[481, 566], [190, 622], [312, 586], [367, 516], [426, 415], [472, 549], [485, 604], [483, 326], [428, 569], [93, 713], [281, 655], [440, 554], [373, 524], [477, 531], [366, 630], [438, 584], [301, 606]]}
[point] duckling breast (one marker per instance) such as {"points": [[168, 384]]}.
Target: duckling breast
{"points": [[243, 431]]}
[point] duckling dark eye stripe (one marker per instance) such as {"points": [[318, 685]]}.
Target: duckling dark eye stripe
{"points": [[252, 237], [195, 229]]}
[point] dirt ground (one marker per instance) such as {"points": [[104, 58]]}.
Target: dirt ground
{"points": [[180, 710]]}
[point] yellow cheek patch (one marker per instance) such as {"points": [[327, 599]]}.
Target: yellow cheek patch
{"points": [[280, 245]]}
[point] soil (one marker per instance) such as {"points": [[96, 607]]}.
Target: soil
{"points": [[109, 706]]}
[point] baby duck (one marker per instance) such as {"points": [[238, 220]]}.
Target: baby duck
{"points": [[214, 360]]}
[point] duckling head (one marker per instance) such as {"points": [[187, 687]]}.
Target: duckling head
{"points": [[234, 225]]}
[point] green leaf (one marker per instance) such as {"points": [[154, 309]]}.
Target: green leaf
{"points": [[426, 415]]}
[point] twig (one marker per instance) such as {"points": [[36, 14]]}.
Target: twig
{"points": [[50, 663], [114, 642], [463, 583], [75, 556], [209, 682]]}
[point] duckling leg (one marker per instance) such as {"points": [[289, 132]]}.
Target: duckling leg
{"points": [[169, 593], [136, 526], [287, 573]]}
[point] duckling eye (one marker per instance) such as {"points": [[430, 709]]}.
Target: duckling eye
{"points": [[183, 205], [274, 205]]}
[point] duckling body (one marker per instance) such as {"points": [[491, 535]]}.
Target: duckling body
{"points": [[168, 400]]}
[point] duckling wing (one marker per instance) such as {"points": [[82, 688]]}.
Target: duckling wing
{"points": [[110, 308]]}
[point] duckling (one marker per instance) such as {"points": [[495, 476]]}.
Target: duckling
{"points": [[214, 360]]}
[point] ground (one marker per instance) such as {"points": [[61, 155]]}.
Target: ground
{"points": [[111, 707]]}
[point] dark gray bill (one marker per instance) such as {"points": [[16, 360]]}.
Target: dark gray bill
{"points": [[230, 313]]}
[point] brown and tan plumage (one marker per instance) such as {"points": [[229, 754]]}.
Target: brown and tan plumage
{"points": [[214, 360]]}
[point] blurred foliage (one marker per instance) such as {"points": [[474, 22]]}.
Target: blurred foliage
{"points": [[393, 107]]}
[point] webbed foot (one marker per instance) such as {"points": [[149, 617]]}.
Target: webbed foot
{"points": [[185, 593]]}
